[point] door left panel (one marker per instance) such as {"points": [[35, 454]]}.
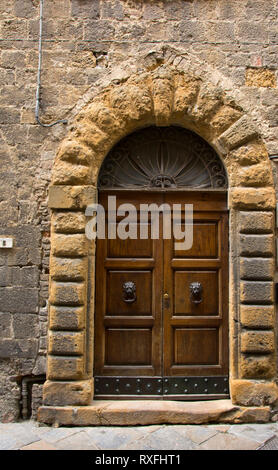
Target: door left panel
{"points": [[128, 307]]}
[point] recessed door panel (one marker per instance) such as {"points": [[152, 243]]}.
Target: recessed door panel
{"points": [[196, 346], [130, 248], [205, 241], [128, 346], [129, 293], [196, 293]]}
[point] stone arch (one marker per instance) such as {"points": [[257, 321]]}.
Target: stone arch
{"points": [[164, 96]]}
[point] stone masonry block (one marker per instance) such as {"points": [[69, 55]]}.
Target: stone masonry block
{"points": [[257, 317], [258, 199], [65, 368], [256, 222], [25, 326], [6, 325], [18, 348], [66, 343], [257, 268], [85, 9], [69, 245], [71, 197], [260, 77], [66, 318], [257, 367], [238, 134], [67, 293], [67, 393], [257, 342], [257, 175], [252, 393], [18, 300], [26, 276], [68, 269], [5, 276], [256, 245], [256, 292], [69, 222]]}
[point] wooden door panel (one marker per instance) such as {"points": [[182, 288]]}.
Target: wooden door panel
{"points": [[205, 241], [196, 346], [127, 347], [116, 304], [128, 334], [129, 248], [184, 303], [196, 334]]}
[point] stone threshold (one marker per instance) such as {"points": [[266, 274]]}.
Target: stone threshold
{"points": [[144, 412]]}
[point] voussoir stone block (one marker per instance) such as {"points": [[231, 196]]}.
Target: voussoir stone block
{"points": [[186, 93], [208, 101], [67, 293], [70, 174], [67, 393], [256, 292], [73, 152], [90, 134], [66, 318], [66, 343], [74, 245], [69, 222], [257, 367], [131, 102], [68, 269], [252, 393], [65, 368], [257, 317], [224, 118], [104, 117], [257, 342], [163, 95], [257, 245], [250, 154], [256, 268], [256, 222], [238, 134]]}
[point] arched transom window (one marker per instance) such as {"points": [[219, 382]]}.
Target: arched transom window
{"points": [[162, 157]]}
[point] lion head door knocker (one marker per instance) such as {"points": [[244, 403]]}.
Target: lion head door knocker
{"points": [[129, 291], [196, 292]]}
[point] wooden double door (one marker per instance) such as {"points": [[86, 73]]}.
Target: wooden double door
{"points": [[161, 323]]}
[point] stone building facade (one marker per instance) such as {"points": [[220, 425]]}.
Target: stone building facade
{"points": [[110, 68]]}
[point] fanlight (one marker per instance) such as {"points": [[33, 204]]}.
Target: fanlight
{"points": [[162, 157]]}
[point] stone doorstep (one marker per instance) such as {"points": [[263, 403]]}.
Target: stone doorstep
{"points": [[144, 412]]}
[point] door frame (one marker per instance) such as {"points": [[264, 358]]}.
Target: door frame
{"points": [[163, 96]]}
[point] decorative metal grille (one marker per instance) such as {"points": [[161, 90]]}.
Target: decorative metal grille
{"points": [[162, 157]]}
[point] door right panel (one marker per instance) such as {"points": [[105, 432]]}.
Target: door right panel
{"points": [[196, 314]]}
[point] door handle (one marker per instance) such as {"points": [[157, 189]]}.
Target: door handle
{"points": [[129, 292], [166, 299], [196, 292]]}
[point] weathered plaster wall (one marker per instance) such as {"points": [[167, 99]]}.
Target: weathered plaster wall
{"points": [[87, 45]]}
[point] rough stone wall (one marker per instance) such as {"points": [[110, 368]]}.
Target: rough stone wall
{"points": [[86, 44]]}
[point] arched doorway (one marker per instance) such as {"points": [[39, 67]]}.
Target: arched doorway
{"points": [[161, 321]]}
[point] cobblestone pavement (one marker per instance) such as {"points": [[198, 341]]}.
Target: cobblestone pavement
{"points": [[29, 435]]}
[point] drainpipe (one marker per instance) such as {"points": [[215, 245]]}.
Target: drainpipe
{"points": [[26, 393], [38, 92]]}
